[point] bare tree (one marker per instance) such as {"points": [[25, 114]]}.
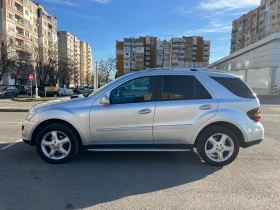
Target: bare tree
{"points": [[8, 54], [46, 62], [22, 67], [88, 78], [66, 71], [107, 68]]}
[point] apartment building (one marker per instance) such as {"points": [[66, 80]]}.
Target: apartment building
{"points": [[188, 52], [255, 25], [134, 54], [69, 54], [26, 26], [86, 63]]}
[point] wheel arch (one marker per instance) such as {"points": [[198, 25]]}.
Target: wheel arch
{"points": [[53, 121], [227, 125]]}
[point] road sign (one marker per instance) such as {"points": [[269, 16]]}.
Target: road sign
{"points": [[31, 77], [51, 89]]}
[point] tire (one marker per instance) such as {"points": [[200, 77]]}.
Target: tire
{"points": [[45, 145], [229, 150]]}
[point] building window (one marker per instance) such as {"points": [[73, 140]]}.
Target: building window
{"points": [[44, 32], [13, 76], [45, 23], [26, 1], [11, 29], [11, 41], [27, 12], [10, 3], [27, 34], [10, 15]]}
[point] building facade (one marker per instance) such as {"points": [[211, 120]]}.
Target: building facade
{"points": [[257, 64], [255, 25], [135, 54], [78, 56], [189, 52], [86, 64], [26, 27]]}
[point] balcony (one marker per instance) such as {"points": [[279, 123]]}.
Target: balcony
{"points": [[147, 53], [147, 58], [19, 8], [19, 31]]}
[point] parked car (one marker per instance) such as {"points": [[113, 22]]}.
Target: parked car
{"points": [[8, 92], [65, 92], [214, 112], [80, 90], [139, 87], [23, 89], [41, 92]]}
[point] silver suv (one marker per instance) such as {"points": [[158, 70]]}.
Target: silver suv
{"points": [[179, 110]]}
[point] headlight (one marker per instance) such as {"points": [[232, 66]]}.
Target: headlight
{"points": [[31, 114]]}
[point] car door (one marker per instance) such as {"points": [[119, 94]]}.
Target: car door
{"points": [[185, 104], [9, 91], [128, 119]]}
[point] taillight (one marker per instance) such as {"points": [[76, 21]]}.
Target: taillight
{"points": [[254, 114]]}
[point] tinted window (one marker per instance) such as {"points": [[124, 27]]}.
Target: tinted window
{"points": [[128, 93], [200, 91], [236, 86], [179, 87]]}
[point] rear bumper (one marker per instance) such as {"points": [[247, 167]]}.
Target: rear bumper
{"points": [[253, 134], [251, 143]]}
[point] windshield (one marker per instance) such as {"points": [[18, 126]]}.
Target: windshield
{"points": [[3, 88], [111, 83]]}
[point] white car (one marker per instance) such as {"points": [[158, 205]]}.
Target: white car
{"points": [[65, 92]]}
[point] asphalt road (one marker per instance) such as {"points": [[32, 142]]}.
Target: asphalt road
{"points": [[140, 180]]}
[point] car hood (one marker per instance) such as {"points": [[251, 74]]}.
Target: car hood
{"points": [[61, 101]]}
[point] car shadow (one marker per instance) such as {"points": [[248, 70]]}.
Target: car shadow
{"points": [[96, 178]]}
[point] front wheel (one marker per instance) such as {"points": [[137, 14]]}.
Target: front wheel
{"points": [[57, 143], [218, 146]]}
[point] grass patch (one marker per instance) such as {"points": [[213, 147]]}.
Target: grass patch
{"points": [[38, 99]]}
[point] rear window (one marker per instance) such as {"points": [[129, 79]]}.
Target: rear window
{"points": [[236, 86]]}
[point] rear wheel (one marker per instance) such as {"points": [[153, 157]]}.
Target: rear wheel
{"points": [[218, 146], [57, 143]]}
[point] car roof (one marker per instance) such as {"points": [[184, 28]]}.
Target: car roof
{"points": [[189, 71]]}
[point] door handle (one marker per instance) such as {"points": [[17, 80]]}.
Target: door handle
{"points": [[205, 107], [144, 111]]}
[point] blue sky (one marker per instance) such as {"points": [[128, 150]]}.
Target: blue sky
{"points": [[102, 22]]}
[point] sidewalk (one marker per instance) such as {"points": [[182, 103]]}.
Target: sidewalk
{"points": [[9, 105]]}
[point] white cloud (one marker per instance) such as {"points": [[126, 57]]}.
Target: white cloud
{"points": [[81, 15], [62, 2], [215, 26], [233, 4], [101, 1]]}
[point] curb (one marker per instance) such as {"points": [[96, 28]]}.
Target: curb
{"points": [[14, 110]]}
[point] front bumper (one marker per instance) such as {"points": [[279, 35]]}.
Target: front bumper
{"points": [[28, 128]]}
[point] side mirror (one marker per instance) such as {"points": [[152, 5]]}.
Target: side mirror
{"points": [[105, 101]]}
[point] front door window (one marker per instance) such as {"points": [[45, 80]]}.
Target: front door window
{"points": [[136, 90]]}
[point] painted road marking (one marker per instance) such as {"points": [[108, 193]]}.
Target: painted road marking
{"points": [[11, 144]]}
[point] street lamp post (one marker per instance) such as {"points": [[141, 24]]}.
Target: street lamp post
{"points": [[36, 85]]}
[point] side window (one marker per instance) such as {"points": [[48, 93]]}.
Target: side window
{"points": [[178, 87], [181, 87], [236, 86], [136, 90], [200, 91]]}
